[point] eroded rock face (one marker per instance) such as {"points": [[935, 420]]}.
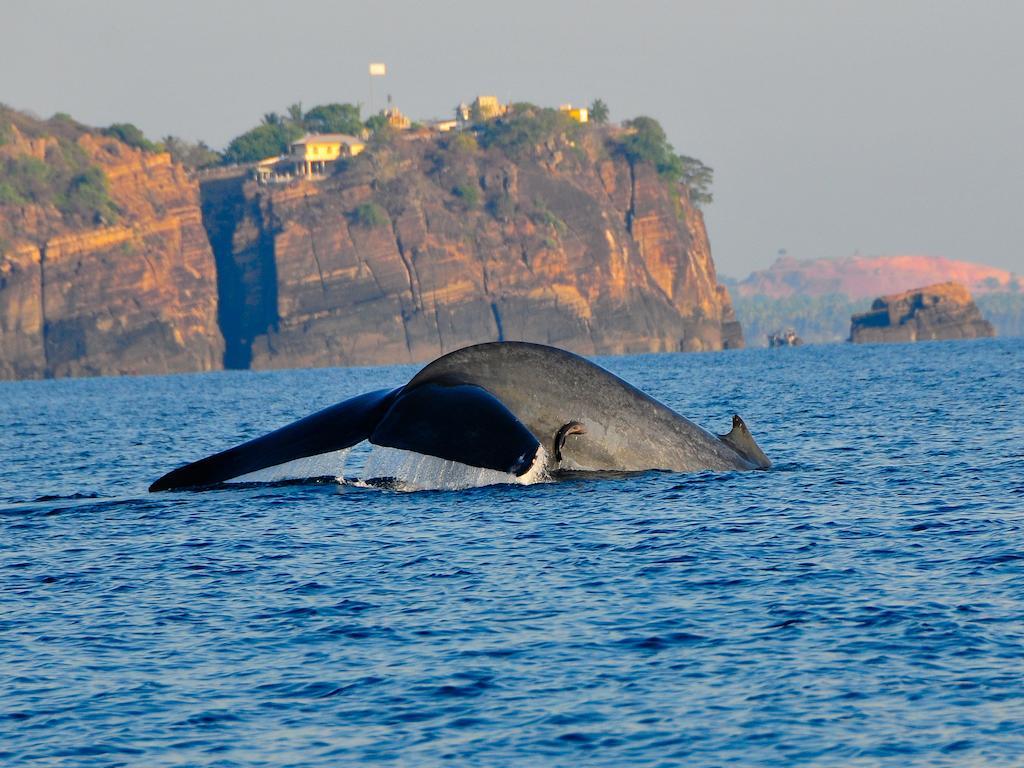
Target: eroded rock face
{"points": [[422, 248], [135, 295], [943, 311], [411, 251]]}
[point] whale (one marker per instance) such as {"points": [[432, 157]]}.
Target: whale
{"points": [[529, 410]]}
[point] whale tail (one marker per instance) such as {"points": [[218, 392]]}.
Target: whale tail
{"points": [[442, 418], [335, 428], [741, 441]]}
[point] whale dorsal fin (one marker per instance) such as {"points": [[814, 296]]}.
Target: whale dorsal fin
{"points": [[741, 441]]}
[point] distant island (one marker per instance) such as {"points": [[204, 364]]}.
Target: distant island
{"points": [[936, 312], [817, 297], [319, 238]]}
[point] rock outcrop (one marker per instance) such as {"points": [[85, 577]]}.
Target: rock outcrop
{"points": [[82, 295], [433, 243], [943, 311]]}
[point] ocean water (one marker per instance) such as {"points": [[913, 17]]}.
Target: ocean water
{"points": [[862, 603]]}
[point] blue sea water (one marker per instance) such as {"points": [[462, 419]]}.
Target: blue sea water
{"points": [[862, 603]]}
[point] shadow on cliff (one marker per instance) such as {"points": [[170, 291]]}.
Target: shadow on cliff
{"points": [[246, 277]]}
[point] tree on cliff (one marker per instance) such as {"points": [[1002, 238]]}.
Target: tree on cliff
{"points": [[267, 140], [334, 118], [599, 112], [646, 142], [192, 156], [277, 132], [697, 179], [381, 131], [132, 136], [526, 126]]}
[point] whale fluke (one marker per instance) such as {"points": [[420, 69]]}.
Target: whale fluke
{"points": [[458, 422], [340, 426]]}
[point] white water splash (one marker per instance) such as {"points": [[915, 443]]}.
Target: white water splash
{"points": [[402, 470], [322, 465], [408, 471]]}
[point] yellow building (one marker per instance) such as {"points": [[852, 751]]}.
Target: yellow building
{"points": [[487, 108], [312, 152], [396, 119], [579, 114]]}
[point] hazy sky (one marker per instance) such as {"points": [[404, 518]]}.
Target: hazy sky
{"points": [[833, 127]]}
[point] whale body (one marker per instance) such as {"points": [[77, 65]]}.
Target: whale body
{"points": [[520, 408]]}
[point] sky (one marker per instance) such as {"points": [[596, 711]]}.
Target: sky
{"points": [[834, 128]]}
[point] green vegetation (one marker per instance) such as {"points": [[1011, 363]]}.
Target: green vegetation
{"points": [[542, 216], [697, 178], [277, 132], [9, 195], [129, 134], [28, 178], [268, 140], [525, 127], [60, 126], [382, 133], [376, 122], [462, 144], [192, 156], [468, 192], [369, 216], [598, 112], [66, 180], [646, 142], [816, 319], [334, 118], [87, 197]]}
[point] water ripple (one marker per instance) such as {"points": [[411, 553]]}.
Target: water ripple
{"points": [[859, 604]]}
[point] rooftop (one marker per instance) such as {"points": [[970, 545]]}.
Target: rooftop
{"points": [[328, 138]]}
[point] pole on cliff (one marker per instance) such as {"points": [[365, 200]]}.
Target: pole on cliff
{"points": [[377, 69]]}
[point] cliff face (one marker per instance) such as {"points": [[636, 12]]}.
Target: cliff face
{"points": [[112, 262], [430, 244], [95, 294], [944, 311]]}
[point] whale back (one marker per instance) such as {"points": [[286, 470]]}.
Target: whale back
{"points": [[546, 388]]}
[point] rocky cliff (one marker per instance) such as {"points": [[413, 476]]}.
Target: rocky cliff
{"points": [[105, 267], [113, 260], [430, 243], [943, 311]]}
